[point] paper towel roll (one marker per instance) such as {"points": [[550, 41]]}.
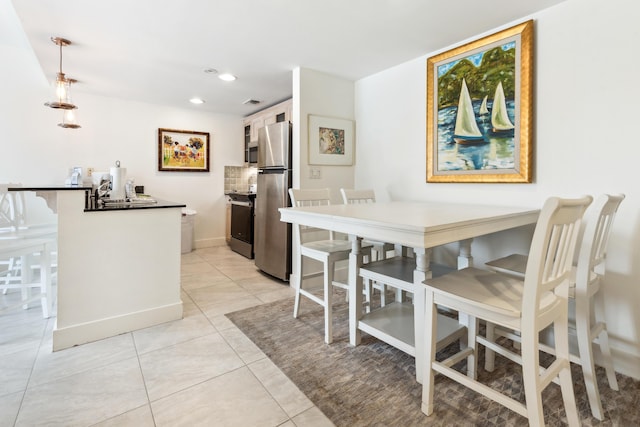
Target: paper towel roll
{"points": [[118, 179]]}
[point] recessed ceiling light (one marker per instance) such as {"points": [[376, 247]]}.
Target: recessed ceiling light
{"points": [[196, 101], [227, 77]]}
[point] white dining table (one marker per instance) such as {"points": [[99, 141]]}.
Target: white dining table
{"points": [[417, 225]]}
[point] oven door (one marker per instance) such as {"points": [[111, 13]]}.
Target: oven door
{"points": [[242, 221]]}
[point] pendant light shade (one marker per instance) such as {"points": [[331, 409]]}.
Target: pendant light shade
{"points": [[70, 117], [62, 98]]}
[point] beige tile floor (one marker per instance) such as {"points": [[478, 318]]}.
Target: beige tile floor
{"points": [[200, 370]]}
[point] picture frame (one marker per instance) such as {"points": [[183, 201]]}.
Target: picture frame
{"points": [[183, 150], [330, 141], [489, 81]]}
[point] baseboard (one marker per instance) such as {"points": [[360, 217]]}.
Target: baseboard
{"points": [[626, 363], [209, 243], [104, 328]]}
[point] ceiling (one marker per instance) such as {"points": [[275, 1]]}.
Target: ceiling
{"points": [[156, 51]]}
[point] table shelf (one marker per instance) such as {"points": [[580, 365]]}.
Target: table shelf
{"points": [[394, 324]]}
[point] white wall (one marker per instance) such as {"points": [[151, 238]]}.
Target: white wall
{"points": [[585, 138], [322, 95], [34, 151]]}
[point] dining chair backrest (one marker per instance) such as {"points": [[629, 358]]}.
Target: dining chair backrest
{"points": [[551, 255], [6, 209], [357, 196], [307, 198], [595, 241], [11, 208]]}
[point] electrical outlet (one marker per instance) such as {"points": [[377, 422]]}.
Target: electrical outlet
{"points": [[314, 173], [90, 171]]}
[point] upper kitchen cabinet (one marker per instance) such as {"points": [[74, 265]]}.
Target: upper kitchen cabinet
{"points": [[276, 113]]}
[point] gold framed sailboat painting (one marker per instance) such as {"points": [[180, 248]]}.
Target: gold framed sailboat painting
{"points": [[479, 110]]}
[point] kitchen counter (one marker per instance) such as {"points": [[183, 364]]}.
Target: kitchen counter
{"points": [[240, 194], [125, 206], [118, 270]]}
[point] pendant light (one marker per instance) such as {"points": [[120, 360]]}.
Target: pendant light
{"points": [[62, 99], [69, 117]]}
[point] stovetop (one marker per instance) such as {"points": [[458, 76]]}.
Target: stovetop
{"points": [[241, 196]]}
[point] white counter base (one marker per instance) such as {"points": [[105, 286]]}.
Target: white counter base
{"points": [[118, 271], [109, 327]]}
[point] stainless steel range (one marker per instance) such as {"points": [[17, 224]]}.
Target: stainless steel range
{"points": [[242, 223]]}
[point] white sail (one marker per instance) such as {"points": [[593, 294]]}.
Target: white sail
{"points": [[500, 121], [466, 126], [483, 107]]}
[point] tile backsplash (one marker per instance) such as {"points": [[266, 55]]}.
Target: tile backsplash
{"points": [[239, 178]]}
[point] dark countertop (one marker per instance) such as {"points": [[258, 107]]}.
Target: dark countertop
{"points": [[125, 206], [51, 188], [240, 193], [241, 196], [90, 205]]}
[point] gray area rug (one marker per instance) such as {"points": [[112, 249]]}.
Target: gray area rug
{"points": [[374, 384]]}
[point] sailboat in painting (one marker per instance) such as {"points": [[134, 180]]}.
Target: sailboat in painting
{"points": [[483, 107], [466, 130], [500, 122]]}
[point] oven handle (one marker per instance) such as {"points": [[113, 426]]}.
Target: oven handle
{"points": [[248, 204]]}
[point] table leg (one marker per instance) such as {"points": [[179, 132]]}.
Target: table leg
{"points": [[355, 289], [464, 260], [464, 254], [420, 274]]}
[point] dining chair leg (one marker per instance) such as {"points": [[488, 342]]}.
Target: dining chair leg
{"points": [[489, 355], [430, 330], [561, 338], [328, 301], [368, 290], [530, 377], [383, 296], [472, 360], [298, 285], [603, 340], [26, 276], [585, 347]]}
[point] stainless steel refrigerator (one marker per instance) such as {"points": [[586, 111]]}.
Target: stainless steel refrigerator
{"points": [[272, 239]]}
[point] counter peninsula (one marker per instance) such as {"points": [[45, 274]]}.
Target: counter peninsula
{"points": [[118, 269]]}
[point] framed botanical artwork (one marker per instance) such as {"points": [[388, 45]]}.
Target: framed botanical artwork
{"points": [[330, 141], [183, 151], [479, 107]]}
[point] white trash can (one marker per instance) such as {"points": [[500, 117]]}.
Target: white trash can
{"points": [[188, 219]]}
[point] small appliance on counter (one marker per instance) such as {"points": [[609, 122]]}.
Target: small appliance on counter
{"points": [[114, 189], [118, 180], [75, 178]]}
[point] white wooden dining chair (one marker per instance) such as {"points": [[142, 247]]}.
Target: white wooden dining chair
{"points": [[27, 250], [587, 275], [319, 245], [379, 250], [9, 266], [7, 210], [527, 306]]}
